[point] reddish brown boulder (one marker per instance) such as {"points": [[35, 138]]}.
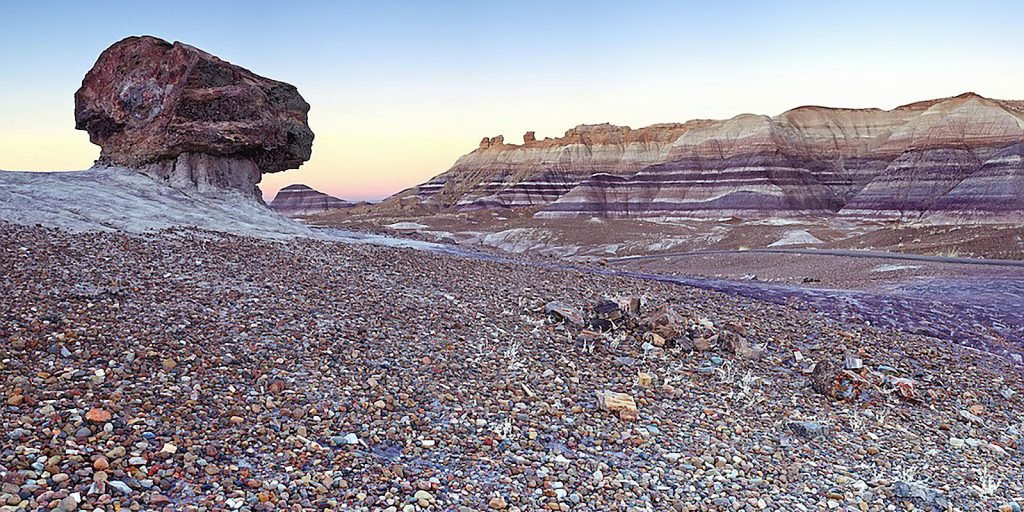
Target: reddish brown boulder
{"points": [[832, 380], [665, 322], [184, 116], [97, 415]]}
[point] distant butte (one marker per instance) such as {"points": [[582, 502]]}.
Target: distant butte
{"points": [[301, 201], [188, 118]]}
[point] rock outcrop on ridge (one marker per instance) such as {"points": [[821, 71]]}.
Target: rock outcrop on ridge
{"points": [[301, 200], [948, 160], [185, 117]]}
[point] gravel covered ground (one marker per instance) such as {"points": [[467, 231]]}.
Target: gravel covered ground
{"points": [[199, 371]]}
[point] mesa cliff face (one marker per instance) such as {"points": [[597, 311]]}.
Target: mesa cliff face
{"points": [[300, 200], [947, 160], [540, 171]]}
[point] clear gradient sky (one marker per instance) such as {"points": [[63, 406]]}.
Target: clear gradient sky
{"points": [[399, 90]]}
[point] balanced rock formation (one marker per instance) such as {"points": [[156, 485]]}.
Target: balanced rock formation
{"points": [[300, 201], [183, 116], [947, 160]]}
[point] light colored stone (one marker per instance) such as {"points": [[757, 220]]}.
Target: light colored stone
{"points": [[620, 403]]}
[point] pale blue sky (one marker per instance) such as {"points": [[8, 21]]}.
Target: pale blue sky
{"points": [[401, 89]]}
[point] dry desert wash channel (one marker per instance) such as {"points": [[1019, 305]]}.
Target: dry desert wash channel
{"points": [[169, 343]]}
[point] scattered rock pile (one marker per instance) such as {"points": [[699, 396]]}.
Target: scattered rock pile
{"points": [[663, 327], [852, 381]]}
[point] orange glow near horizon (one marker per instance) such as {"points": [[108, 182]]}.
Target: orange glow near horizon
{"points": [[400, 90], [372, 151]]}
